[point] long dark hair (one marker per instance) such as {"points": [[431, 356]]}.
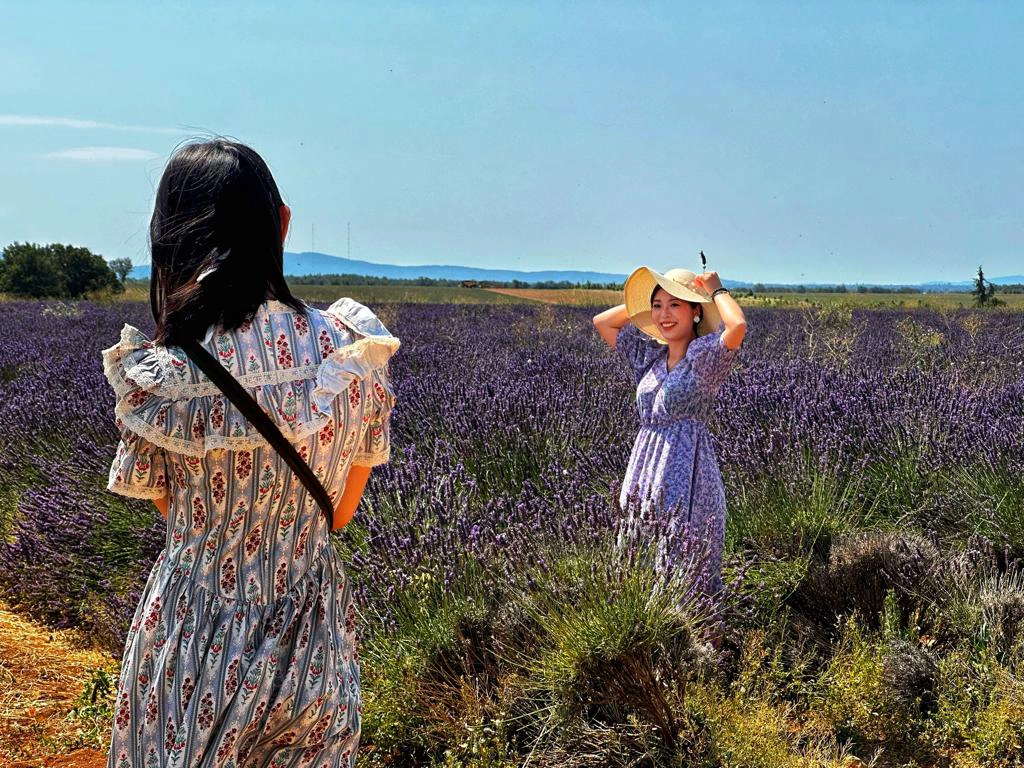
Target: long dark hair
{"points": [[217, 208]]}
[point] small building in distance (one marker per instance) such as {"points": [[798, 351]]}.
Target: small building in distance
{"points": [[470, 284]]}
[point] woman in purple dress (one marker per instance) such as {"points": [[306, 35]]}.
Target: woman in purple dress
{"points": [[679, 333]]}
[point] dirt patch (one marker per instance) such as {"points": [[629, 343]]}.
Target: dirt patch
{"points": [[43, 674]]}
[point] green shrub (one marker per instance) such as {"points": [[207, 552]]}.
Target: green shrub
{"points": [[93, 713], [980, 709], [852, 686], [992, 499], [997, 738], [763, 717], [618, 646], [797, 515], [429, 684], [768, 584], [880, 691]]}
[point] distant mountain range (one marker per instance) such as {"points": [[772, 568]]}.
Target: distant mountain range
{"points": [[968, 284], [310, 263]]}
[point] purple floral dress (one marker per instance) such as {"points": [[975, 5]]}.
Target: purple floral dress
{"points": [[673, 479], [242, 651]]}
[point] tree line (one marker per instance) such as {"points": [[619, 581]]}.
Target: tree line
{"points": [[67, 271], [839, 288], [59, 271]]}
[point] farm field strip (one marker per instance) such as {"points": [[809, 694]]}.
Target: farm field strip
{"points": [[583, 297], [605, 298]]}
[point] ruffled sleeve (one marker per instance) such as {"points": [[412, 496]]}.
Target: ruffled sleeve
{"points": [[638, 349], [139, 469], [375, 443], [300, 379]]}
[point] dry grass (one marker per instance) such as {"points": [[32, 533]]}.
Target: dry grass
{"points": [[42, 672], [374, 295], [585, 297], [937, 301], [580, 297], [371, 295]]}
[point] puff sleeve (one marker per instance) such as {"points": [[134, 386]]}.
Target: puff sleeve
{"points": [[712, 360], [638, 349], [139, 469], [374, 445]]}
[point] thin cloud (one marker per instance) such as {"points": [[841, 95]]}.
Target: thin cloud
{"points": [[73, 122], [100, 154]]}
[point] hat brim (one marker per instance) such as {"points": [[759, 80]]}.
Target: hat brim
{"points": [[638, 289]]}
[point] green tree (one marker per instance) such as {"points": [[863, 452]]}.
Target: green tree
{"points": [[984, 291], [30, 270], [82, 270], [121, 268], [58, 270]]}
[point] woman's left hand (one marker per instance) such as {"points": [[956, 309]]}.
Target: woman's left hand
{"points": [[710, 281], [731, 314]]}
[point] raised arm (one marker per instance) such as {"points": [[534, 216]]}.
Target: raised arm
{"points": [[732, 316], [609, 322]]}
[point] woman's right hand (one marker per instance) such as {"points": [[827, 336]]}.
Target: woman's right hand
{"points": [[609, 322], [709, 281]]}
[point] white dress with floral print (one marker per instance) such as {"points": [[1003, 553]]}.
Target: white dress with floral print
{"points": [[242, 649]]}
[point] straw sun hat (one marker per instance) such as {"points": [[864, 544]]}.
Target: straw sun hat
{"points": [[679, 283]]}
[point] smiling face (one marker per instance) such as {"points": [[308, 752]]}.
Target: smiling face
{"points": [[673, 316]]}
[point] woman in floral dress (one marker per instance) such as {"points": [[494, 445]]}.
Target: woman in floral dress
{"points": [[679, 334], [242, 649]]}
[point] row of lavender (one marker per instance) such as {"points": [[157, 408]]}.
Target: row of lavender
{"points": [[512, 431]]}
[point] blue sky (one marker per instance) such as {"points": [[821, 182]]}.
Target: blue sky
{"points": [[816, 141]]}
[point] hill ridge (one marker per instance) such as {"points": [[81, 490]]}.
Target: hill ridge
{"points": [[313, 262]]}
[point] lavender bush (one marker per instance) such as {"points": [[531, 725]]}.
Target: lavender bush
{"points": [[511, 434]]}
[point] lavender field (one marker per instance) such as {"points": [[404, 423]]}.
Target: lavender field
{"points": [[874, 468]]}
